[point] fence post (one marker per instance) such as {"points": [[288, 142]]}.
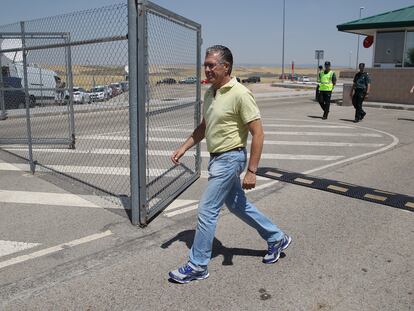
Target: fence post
{"points": [[133, 111], [197, 113], [26, 90], [3, 114], [142, 98], [70, 89]]}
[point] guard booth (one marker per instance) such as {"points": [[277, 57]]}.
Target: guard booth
{"points": [[392, 36]]}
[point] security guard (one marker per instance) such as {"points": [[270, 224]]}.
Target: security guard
{"points": [[327, 81], [360, 90]]}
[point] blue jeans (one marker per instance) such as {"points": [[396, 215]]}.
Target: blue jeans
{"points": [[224, 186]]}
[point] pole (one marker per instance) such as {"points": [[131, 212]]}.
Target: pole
{"points": [[357, 60], [26, 90], [283, 43], [133, 110]]}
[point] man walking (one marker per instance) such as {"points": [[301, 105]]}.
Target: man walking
{"points": [[230, 113], [327, 81], [360, 90]]}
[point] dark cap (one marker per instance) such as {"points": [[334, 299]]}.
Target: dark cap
{"points": [[327, 63]]}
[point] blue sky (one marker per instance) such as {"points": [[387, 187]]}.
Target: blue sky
{"points": [[251, 29]]}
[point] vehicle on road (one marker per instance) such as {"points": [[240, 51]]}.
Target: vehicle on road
{"points": [[252, 79], [41, 82], [14, 99], [118, 88], [124, 86], [188, 80], [81, 96], [305, 79], [167, 81], [99, 93]]}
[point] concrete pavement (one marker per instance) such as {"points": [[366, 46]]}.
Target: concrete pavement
{"points": [[346, 254]]}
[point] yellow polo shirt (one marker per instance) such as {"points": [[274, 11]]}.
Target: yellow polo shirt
{"points": [[227, 115]]}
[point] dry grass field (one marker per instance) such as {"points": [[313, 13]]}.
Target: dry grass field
{"points": [[88, 76]]}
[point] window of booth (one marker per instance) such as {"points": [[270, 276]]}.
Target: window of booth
{"points": [[409, 49], [389, 49]]}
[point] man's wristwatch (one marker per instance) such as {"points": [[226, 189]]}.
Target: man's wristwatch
{"points": [[251, 171]]}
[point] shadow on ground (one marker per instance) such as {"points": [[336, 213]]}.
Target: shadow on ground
{"points": [[228, 253]]}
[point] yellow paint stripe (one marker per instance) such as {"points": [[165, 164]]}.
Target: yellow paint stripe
{"points": [[273, 174], [385, 192], [410, 204], [346, 184], [304, 181], [375, 197], [336, 188]]}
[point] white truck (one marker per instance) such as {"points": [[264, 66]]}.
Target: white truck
{"points": [[41, 82]]}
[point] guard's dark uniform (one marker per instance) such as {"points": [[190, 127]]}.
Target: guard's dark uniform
{"points": [[361, 81]]}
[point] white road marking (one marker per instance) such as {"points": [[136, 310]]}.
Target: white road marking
{"points": [[54, 249], [281, 133], [323, 134], [266, 142], [167, 153], [395, 141], [10, 247], [43, 198], [308, 126], [182, 211], [179, 203], [8, 167]]}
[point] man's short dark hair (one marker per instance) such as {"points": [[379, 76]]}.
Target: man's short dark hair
{"points": [[361, 64], [224, 52]]}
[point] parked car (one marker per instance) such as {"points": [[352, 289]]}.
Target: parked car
{"points": [[167, 81], [124, 86], [118, 88], [14, 99], [99, 93], [189, 80], [252, 79], [80, 96], [114, 90], [305, 79]]}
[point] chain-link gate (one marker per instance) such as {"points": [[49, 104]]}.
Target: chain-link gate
{"points": [[168, 93], [96, 96]]}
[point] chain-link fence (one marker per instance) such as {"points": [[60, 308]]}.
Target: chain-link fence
{"points": [[101, 96]]}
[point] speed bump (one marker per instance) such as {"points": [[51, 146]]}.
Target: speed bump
{"points": [[401, 201]]}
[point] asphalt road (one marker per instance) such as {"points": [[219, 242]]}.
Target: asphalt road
{"points": [[63, 247]]}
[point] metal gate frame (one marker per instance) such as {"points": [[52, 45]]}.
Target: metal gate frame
{"points": [[141, 214], [70, 140]]}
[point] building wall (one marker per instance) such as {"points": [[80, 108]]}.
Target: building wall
{"points": [[389, 85], [392, 85]]}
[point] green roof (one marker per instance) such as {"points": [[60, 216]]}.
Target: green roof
{"points": [[393, 19]]}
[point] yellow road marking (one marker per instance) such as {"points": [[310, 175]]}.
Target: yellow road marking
{"points": [[336, 188], [304, 181], [273, 174], [410, 204], [385, 192], [375, 197]]}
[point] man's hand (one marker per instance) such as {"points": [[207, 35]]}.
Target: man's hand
{"points": [[175, 157], [249, 181]]}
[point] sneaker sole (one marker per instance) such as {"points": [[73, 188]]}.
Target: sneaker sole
{"points": [[174, 278], [283, 248]]}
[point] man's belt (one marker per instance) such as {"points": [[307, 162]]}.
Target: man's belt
{"points": [[216, 154]]}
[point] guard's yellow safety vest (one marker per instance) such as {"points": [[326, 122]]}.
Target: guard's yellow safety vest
{"points": [[325, 81]]}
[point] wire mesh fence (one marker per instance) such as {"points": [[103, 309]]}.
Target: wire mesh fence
{"points": [[65, 101]]}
